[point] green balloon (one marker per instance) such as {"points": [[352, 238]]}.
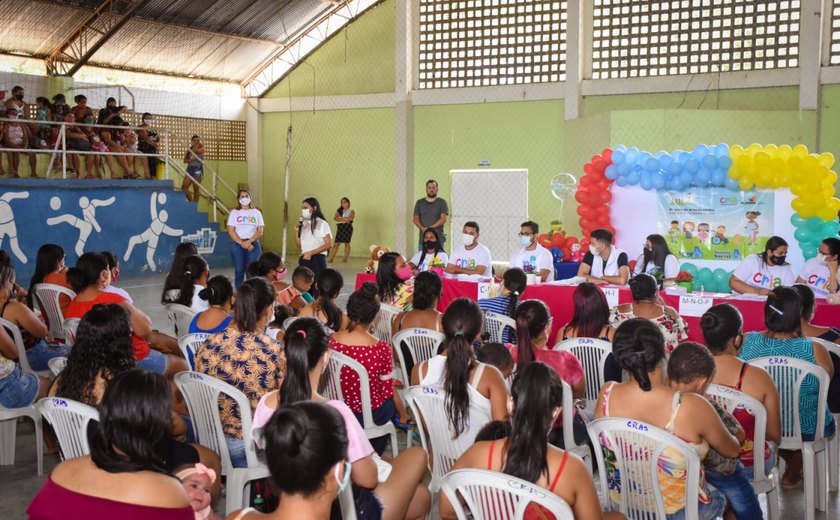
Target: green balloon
{"points": [[815, 224], [705, 278], [689, 268], [830, 228]]}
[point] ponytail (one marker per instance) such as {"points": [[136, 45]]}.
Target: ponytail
{"points": [[329, 286], [254, 296], [461, 325], [531, 319], [194, 266], [639, 348], [514, 281], [306, 342]]}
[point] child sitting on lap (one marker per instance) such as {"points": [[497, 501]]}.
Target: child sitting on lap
{"points": [[497, 355], [197, 480]]}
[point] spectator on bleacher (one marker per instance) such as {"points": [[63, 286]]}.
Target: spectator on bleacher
{"points": [[77, 139], [81, 111], [49, 268], [60, 109], [114, 266], [190, 281], [219, 297], [243, 356], [111, 114], [93, 161], [324, 308], [124, 476], [43, 113], [513, 285], [17, 135], [194, 158], [395, 281], [36, 334], [245, 227], [110, 138], [182, 252], [149, 142], [648, 304], [591, 319], [129, 140]]}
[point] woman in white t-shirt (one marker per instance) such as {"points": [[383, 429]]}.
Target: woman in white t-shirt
{"points": [[314, 238], [762, 272], [245, 226], [657, 257], [431, 254], [821, 274]]}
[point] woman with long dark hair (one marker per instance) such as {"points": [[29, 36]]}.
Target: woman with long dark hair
{"points": [[245, 226], [219, 298], [49, 268], [465, 380], [431, 253], [394, 278], [313, 237], [400, 492], [126, 462], [183, 251], [514, 282], [191, 280], [344, 215], [657, 257], [647, 304], [523, 452], [591, 319], [761, 272], [324, 307]]}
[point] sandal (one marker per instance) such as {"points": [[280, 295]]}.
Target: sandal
{"points": [[404, 426]]}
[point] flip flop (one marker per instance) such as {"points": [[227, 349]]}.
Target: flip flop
{"points": [[404, 426]]}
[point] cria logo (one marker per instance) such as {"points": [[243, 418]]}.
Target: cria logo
{"points": [[728, 201], [764, 280]]}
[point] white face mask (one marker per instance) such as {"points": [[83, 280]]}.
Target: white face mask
{"points": [[467, 240], [147, 121], [821, 259], [245, 201], [306, 213], [525, 241], [593, 250]]}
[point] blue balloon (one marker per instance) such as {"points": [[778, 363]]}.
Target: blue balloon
{"points": [[724, 162], [658, 181], [617, 157], [692, 165], [682, 157], [797, 221], [710, 162], [623, 169], [631, 155], [703, 177], [620, 148], [621, 181], [664, 160], [652, 165], [700, 151], [633, 178], [722, 150], [686, 179], [675, 169], [644, 156], [718, 177], [732, 184], [675, 184], [611, 172]]}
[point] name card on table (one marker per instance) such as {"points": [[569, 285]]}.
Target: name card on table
{"points": [[612, 296], [694, 305], [483, 290]]}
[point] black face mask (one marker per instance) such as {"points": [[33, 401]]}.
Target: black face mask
{"points": [[430, 244], [778, 260], [19, 97]]}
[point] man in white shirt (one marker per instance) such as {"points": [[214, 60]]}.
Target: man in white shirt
{"points": [[604, 263], [470, 257], [532, 258]]}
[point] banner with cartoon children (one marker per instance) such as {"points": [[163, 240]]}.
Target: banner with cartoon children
{"points": [[715, 224]]}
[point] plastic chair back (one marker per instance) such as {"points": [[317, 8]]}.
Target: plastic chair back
{"points": [[592, 354], [21, 348], [637, 448], [57, 364], [382, 324], [834, 443], [189, 343], [490, 495], [47, 297], [495, 325], [422, 344], [70, 421], [429, 403], [567, 415], [180, 316], [69, 326]]}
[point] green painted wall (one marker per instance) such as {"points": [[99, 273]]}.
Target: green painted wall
{"points": [[233, 173]]}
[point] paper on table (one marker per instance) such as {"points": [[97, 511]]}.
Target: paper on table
{"points": [[612, 296], [694, 305]]}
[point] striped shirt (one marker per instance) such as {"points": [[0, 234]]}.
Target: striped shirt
{"points": [[499, 305]]}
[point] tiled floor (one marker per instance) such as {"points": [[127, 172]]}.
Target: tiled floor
{"points": [[19, 483]]}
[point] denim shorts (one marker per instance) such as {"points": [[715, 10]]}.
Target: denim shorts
{"points": [[739, 493], [769, 463], [154, 362], [709, 511], [236, 450], [42, 352], [18, 389]]}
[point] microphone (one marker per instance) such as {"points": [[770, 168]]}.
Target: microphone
{"points": [[300, 226]]}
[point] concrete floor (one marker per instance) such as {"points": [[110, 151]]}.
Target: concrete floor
{"points": [[19, 482]]}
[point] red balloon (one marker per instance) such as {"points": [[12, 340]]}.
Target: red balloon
{"points": [[604, 184], [585, 223], [588, 167], [582, 195], [581, 210], [601, 165], [607, 155], [558, 240], [588, 180], [544, 241], [570, 241], [584, 244], [605, 196]]}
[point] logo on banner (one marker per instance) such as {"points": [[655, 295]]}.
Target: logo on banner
{"points": [[204, 240]]}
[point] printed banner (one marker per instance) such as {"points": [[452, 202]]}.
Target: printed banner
{"points": [[715, 224]]}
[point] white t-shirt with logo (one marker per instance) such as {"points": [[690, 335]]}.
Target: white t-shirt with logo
{"points": [[535, 261], [816, 277], [245, 222], [442, 260], [755, 272], [471, 258], [672, 266], [310, 240]]}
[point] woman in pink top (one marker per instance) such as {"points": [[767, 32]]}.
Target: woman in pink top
{"points": [[533, 328], [395, 490], [123, 477]]}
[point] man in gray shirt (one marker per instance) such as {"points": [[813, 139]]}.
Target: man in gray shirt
{"points": [[431, 212]]}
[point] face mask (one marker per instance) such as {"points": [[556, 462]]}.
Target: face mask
{"points": [[306, 213], [60, 103], [279, 275], [147, 121], [821, 259], [593, 250], [467, 240], [19, 97], [525, 241], [12, 116], [403, 273], [245, 201], [115, 276], [430, 244], [778, 260], [342, 482]]}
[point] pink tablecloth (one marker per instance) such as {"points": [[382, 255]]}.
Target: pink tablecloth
{"points": [[559, 301]]}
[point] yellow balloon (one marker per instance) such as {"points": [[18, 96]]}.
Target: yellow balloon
{"points": [[827, 213], [735, 151], [754, 149], [800, 150], [827, 159], [834, 204], [794, 163], [784, 152], [830, 178], [762, 159], [745, 183], [810, 162], [771, 149]]}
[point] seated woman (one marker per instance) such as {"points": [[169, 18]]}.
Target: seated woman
{"points": [[36, 335], [639, 348], [356, 341], [431, 254], [114, 266], [394, 278], [271, 267], [830, 334], [124, 474], [188, 283], [783, 337], [604, 263], [306, 449], [424, 313], [219, 297], [244, 357], [822, 273], [465, 380], [657, 257], [514, 282], [172, 281], [722, 328], [647, 304], [324, 307], [397, 485], [89, 279], [591, 319], [522, 452], [49, 268], [759, 273], [18, 389]]}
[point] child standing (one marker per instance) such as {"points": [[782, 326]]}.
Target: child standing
{"points": [[43, 113]]}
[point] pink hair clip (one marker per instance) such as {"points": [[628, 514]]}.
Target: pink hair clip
{"points": [[302, 333]]}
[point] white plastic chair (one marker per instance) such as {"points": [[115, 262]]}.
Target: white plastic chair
{"points": [[382, 324], [201, 393], [428, 403], [637, 447], [189, 343], [333, 390], [567, 415], [347, 504], [57, 364], [592, 354], [422, 344], [70, 421], [69, 326], [788, 374], [731, 400], [834, 443], [46, 297], [490, 495], [180, 316], [495, 325], [18, 339]]}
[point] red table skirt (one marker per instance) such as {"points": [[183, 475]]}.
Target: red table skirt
{"points": [[559, 301]]}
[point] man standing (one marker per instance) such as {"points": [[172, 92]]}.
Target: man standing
{"points": [[431, 212], [470, 257], [532, 258]]}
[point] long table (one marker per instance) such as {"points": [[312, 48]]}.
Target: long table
{"points": [[558, 298]]}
